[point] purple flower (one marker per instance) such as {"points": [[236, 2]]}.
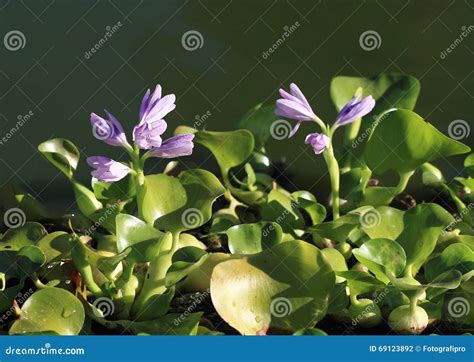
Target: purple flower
{"points": [[355, 109], [318, 141], [147, 135], [106, 169], [154, 108], [177, 146], [294, 105], [108, 130]]}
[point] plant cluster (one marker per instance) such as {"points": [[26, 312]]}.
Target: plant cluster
{"points": [[249, 252]]}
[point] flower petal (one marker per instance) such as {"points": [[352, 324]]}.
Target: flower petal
{"points": [[106, 169], [354, 110], [318, 141], [177, 146]]}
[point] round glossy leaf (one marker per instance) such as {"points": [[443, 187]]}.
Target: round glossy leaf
{"points": [[176, 205], [184, 261], [336, 260], [403, 141], [253, 238], [55, 246], [383, 222], [61, 153], [286, 287], [455, 257], [28, 234], [307, 201], [337, 230], [423, 225], [114, 191], [360, 282], [144, 240], [382, 257], [282, 209], [50, 311]]}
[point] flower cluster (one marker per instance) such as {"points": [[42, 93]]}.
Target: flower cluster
{"points": [[146, 136], [294, 105]]}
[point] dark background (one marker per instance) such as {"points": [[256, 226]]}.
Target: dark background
{"points": [[52, 77]]}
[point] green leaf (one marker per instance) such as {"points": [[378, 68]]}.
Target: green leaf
{"points": [[50, 311], [422, 226], [28, 234], [179, 204], [455, 257], [55, 246], [143, 239], [282, 208], [390, 90], [307, 201], [337, 230], [336, 260], [85, 199], [383, 222], [403, 141], [253, 238], [382, 257], [310, 332], [469, 164], [360, 282], [61, 153], [257, 292], [115, 191], [184, 261], [259, 120]]}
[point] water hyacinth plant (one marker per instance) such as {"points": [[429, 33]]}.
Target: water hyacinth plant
{"points": [[188, 252]]}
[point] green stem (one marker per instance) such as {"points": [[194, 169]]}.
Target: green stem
{"points": [[334, 174], [402, 184]]}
